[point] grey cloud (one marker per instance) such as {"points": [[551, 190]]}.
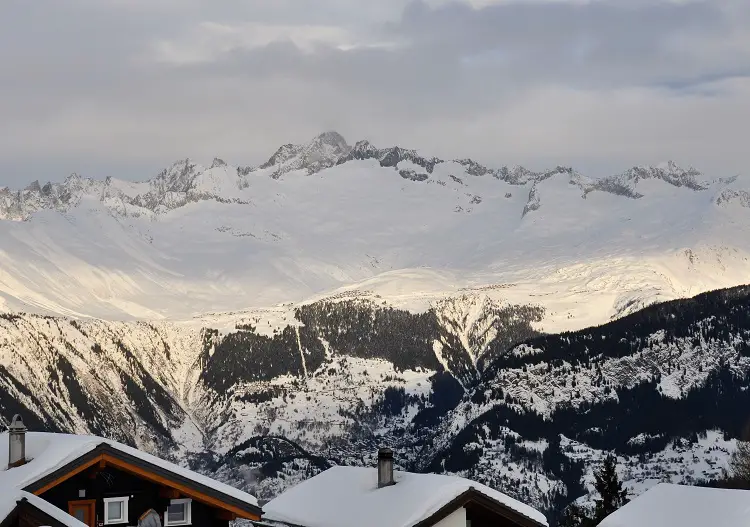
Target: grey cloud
{"points": [[80, 80], [462, 60], [596, 42]]}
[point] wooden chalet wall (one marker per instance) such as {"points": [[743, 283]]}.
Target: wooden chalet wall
{"points": [[110, 482]]}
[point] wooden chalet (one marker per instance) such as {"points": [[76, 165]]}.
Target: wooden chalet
{"points": [[65, 480]]}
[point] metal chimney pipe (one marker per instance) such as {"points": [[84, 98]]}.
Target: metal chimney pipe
{"points": [[16, 442], [385, 467]]}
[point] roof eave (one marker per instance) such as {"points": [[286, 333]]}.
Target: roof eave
{"points": [[473, 495]]}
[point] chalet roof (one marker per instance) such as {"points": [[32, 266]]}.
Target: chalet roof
{"points": [[10, 500], [686, 506], [48, 453], [347, 496]]}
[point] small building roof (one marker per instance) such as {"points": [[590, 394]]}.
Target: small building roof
{"points": [[349, 496], [47, 454], [9, 501], [683, 505]]}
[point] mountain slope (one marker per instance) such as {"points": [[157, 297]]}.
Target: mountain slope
{"points": [[649, 386], [468, 387], [126, 381]]}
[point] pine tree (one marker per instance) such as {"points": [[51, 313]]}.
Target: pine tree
{"points": [[611, 494], [611, 497]]}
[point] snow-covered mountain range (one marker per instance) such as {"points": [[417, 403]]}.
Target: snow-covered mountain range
{"points": [[322, 218], [262, 323]]}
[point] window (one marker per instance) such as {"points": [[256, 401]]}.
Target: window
{"points": [[178, 513], [115, 510]]}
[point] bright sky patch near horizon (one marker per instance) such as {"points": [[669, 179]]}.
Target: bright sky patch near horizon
{"points": [[124, 87]]}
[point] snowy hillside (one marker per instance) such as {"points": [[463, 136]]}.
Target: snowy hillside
{"points": [[324, 217], [468, 387]]}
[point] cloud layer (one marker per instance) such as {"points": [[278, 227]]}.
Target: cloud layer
{"points": [[115, 87]]}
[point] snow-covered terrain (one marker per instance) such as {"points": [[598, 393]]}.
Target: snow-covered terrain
{"points": [[448, 389], [322, 218], [262, 324]]}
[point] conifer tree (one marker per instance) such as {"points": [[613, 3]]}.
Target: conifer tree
{"points": [[611, 497], [611, 494]]}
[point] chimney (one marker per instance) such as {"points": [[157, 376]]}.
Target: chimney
{"points": [[385, 467], [16, 442]]}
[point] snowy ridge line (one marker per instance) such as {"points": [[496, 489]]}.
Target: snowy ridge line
{"points": [[186, 182], [355, 225]]}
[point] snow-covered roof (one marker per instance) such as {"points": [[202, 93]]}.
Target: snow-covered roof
{"points": [[686, 506], [9, 501], [47, 452], [349, 496]]}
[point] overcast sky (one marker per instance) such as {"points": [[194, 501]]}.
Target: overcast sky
{"points": [[125, 87]]}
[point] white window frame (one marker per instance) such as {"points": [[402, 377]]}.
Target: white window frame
{"points": [[188, 512], [124, 509]]}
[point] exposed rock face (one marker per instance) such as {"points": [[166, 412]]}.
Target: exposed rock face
{"points": [[734, 196], [320, 153]]}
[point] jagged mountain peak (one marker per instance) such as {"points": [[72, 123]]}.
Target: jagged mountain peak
{"points": [[178, 177], [389, 157], [669, 172], [73, 177], [33, 187], [218, 162], [323, 151], [283, 154], [363, 145], [331, 138]]}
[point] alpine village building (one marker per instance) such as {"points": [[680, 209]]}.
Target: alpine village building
{"points": [[64, 480], [384, 497]]}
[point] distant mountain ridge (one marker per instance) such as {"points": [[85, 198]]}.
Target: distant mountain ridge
{"points": [[186, 181], [325, 215]]}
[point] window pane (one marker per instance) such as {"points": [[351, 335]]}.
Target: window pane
{"points": [[114, 510], [80, 515], [176, 513]]}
